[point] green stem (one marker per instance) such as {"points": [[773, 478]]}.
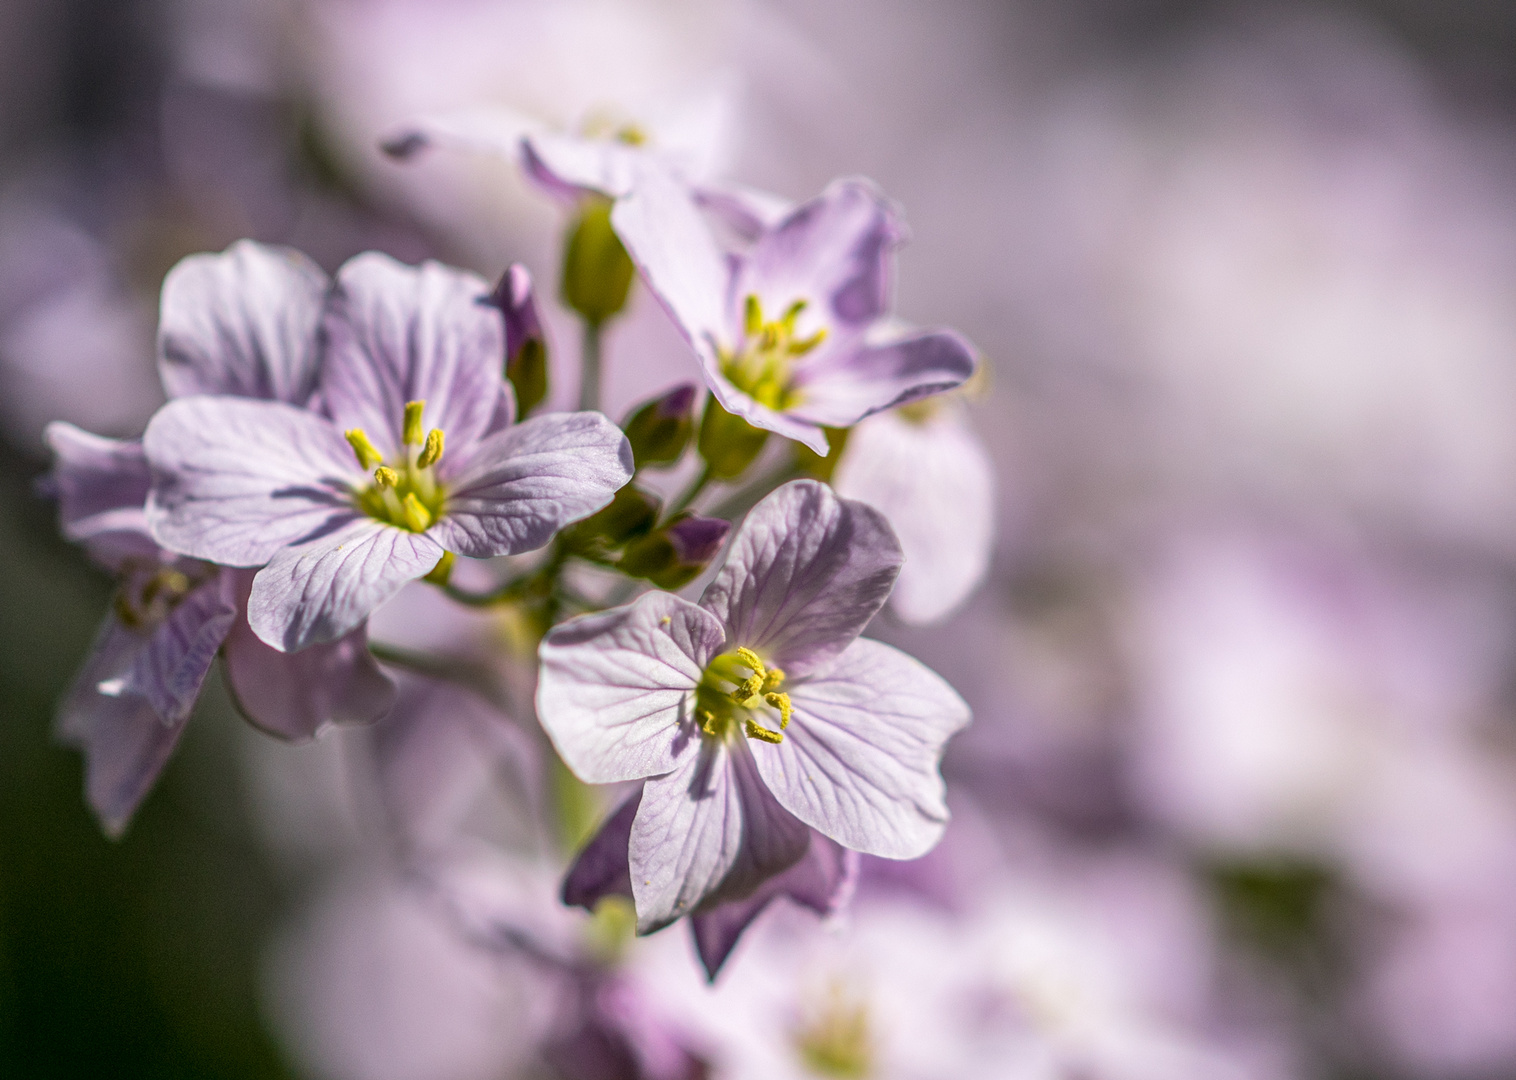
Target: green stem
{"points": [[691, 493], [511, 590], [745, 498], [589, 367]]}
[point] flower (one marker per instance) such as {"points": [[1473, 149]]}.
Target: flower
{"points": [[923, 467], [758, 714], [792, 336], [172, 614], [411, 456]]}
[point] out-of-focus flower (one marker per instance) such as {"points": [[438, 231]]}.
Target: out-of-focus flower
{"points": [[792, 335], [736, 709], [413, 456], [923, 467]]}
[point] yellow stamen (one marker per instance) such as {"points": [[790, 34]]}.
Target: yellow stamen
{"points": [[431, 453], [417, 517], [708, 721], [385, 477], [805, 345], [412, 432], [782, 703], [773, 680], [367, 454], [752, 315], [762, 734], [750, 658]]}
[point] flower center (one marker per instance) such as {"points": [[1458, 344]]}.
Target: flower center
{"points": [[763, 367], [147, 591], [404, 491], [735, 691], [835, 1040]]}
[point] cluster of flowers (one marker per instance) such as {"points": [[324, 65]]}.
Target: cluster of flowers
{"points": [[328, 440]]}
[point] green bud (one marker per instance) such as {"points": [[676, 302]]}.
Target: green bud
{"points": [[631, 514], [527, 372], [814, 465], [597, 272], [661, 429], [675, 554], [729, 444]]}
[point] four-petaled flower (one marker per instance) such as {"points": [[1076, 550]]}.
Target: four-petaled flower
{"points": [[759, 713], [794, 335], [411, 457]]}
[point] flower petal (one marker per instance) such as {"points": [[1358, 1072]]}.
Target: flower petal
{"points": [[837, 248], [124, 742], [294, 695], [804, 576], [852, 384], [236, 480], [616, 687], [170, 669], [859, 761], [244, 323], [708, 832], [739, 403], [398, 333], [321, 591], [603, 867], [663, 232], [934, 481], [565, 166], [101, 485], [523, 484], [822, 881]]}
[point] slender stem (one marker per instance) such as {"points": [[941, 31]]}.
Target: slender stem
{"points": [[691, 493], [744, 499], [589, 367]]}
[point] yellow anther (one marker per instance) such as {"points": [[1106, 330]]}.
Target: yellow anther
{"points": [[431, 453], [773, 680], [708, 721], [166, 582], [367, 454], [631, 135], [762, 734], [748, 690], [750, 658], [752, 315], [417, 517], [385, 477], [791, 314], [805, 345], [782, 703], [411, 432]]}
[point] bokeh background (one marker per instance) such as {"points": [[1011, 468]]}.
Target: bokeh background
{"points": [[1245, 275]]}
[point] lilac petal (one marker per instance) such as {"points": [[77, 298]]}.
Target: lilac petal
{"points": [[486, 130], [616, 687], [399, 333], [603, 868], [706, 833], [523, 484], [235, 480], [566, 166], [321, 591], [846, 386], [101, 485], [836, 248], [244, 323], [294, 695], [822, 881], [170, 669], [934, 481], [124, 742], [663, 232], [859, 758], [748, 212], [804, 576]]}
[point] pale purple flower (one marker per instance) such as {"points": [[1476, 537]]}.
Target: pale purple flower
{"points": [[923, 467], [793, 335], [411, 456], [172, 614], [823, 881], [759, 713]]}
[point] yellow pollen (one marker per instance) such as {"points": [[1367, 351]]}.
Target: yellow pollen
{"points": [[385, 477], [782, 703], [417, 517], [708, 721], [762, 734], [368, 456], [431, 453], [750, 658], [411, 432]]}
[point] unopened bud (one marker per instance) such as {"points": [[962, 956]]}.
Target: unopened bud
{"points": [[728, 443], [631, 514], [525, 343], [818, 466], [597, 272], [674, 555], [661, 429]]}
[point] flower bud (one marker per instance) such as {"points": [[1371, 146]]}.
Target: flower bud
{"points": [[661, 429], [809, 463], [597, 272], [674, 555], [728, 443], [525, 343], [631, 514]]}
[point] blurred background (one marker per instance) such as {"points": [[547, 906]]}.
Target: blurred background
{"points": [[1245, 276]]}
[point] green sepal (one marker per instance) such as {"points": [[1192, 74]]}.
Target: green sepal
{"points": [[527, 372], [631, 514], [729, 444], [597, 272]]}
